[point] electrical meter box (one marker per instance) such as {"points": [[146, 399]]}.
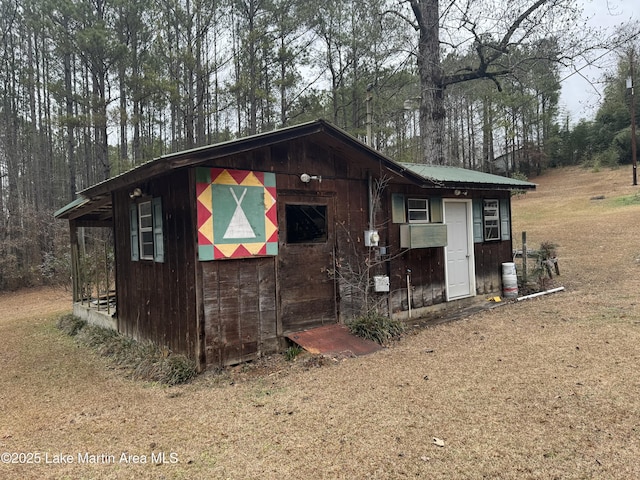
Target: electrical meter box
{"points": [[381, 283]]}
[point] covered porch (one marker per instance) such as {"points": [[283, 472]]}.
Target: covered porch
{"points": [[93, 276]]}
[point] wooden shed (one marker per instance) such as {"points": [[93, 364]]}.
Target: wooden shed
{"points": [[223, 251]]}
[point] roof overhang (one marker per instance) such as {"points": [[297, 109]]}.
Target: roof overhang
{"points": [[88, 211], [462, 178]]}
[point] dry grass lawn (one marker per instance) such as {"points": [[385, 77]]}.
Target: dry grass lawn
{"points": [[540, 389]]}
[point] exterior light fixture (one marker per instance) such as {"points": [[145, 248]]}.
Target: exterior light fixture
{"points": [[306, 178]]}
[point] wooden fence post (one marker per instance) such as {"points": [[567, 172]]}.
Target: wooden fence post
{"points": [[524, 258]]}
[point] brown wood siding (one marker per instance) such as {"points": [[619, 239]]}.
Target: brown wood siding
{"points": [[246, 310], [156, 301], [352, 220], [489, 257], [427, 265], [248, 305], [426, 278], [240, 309]]}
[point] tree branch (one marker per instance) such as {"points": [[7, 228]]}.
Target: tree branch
{"points": [[489, 52], [501, 48], [415, 6], [476, 75], [413, 24]]}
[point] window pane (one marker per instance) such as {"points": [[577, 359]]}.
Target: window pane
{"points": [[306, 223], [418, 209], [147, 244], [420, 203], [147, 251], [146, 218], [491, 220], [491, 233], [144, 208], [418, 215], [491, 208], [145, 225], [146, 222]]}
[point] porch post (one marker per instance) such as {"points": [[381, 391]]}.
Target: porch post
{"points": [[75, 277]]}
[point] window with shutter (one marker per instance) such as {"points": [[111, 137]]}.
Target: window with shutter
{"points": [[491, 217], [146, 230], [133, 229], [505, 220]]}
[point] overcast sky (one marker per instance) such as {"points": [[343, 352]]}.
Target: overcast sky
{"points": [[580, 98]]}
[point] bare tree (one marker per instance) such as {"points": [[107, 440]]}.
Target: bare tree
{"points": [[505, 26]]}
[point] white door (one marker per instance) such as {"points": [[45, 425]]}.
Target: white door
{"points": [[460, 271]]}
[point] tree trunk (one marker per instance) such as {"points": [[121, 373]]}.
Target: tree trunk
{"points": [[100, 121], [123, 117], [202, 72], [471, 135], [70, 140], [432, 111], [487, 136]]}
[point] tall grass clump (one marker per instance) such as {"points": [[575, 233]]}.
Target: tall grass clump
{"points": [[143, 360], [292, 352], [376, 327], [70, 324]]}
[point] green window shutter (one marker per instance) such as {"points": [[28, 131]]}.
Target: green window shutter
{"points": [[436, 210], [505, 220], [133, 232], [478, 235], [158, 237], [398, 211]]}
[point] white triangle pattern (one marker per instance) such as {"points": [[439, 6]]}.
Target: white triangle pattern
{"points": [[239, 226]]}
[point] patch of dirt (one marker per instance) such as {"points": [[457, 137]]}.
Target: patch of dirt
{"points": [[33, 302]]}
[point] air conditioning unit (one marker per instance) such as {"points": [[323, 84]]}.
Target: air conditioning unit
{"points": [[423, 235]]}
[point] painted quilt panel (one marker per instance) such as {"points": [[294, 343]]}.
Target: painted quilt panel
{"points": [[236, 213]]}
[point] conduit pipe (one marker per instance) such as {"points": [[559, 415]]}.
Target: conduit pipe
{"points": [[539, 294]]}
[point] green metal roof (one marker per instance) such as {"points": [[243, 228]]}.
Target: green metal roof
{"points": [[454, 176], [78, 202]]}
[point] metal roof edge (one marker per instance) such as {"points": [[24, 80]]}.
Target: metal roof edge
{"points": [[466, 178], [78, 202]]}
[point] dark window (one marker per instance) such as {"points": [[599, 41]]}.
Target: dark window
{"points": [[306, 223]]}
